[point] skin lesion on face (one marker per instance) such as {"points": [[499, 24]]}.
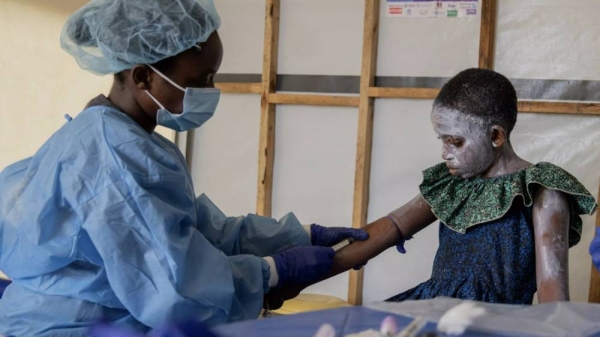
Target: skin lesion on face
{"points": [[466, 143]]}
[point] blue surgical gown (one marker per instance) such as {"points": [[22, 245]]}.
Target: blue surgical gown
{"points": [[103, 223]]}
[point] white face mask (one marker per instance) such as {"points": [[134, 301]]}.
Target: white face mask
{"points": [[199, 105]]}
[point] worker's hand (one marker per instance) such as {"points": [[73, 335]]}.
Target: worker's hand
{"points": [[595, 249], [329, 236], [303, 264]]}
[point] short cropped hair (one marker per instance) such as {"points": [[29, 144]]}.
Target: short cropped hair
{"points": [[483, 93]]}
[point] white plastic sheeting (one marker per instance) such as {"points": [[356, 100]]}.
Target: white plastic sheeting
{"points": [[314, 171], [548, 39], [321, 37], [403, 145], [225, 155], [242, 33], [547, 320], [426, 47]]}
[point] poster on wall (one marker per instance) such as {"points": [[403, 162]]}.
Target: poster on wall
{"points": [[432, 8]]}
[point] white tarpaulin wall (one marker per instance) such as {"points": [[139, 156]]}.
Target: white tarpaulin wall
{"points": [[315, 147]]}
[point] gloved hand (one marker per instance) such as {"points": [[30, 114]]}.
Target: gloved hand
{"points": [[303, 264], [329, 236], [595, 249]]}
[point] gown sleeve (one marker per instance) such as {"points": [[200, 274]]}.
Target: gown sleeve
{"points": [[251, 234], [160, 266]]}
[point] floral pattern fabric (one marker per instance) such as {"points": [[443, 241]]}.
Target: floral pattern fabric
{"points": [[487, 247]]}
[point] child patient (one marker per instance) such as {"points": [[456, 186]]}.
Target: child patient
{"points": [[505, 224]]}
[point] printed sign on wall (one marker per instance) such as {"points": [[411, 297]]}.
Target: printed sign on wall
{"points": [[432, 8]]}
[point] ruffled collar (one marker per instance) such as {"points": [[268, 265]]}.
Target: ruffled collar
{"points": [[463, 203]]}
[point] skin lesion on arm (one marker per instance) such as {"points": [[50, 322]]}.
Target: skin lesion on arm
{"points": [[551, 220]]}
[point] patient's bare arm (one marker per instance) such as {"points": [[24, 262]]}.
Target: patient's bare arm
{"points": [[384, 233]]}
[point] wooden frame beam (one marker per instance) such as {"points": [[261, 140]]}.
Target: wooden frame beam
{"points": [[316, 100], [413, 93], [365, 136], [266, 147], [525, 106], [545, 107], [240, 88]]}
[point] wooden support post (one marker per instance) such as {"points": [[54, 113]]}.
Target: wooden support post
{"points": [[365, 135], [594, 296], [487, 36], [266, 147]]}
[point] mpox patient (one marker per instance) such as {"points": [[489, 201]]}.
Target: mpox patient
{"points": [[506, 225]]}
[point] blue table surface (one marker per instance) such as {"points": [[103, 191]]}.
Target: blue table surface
{"points": [[345, 321]]}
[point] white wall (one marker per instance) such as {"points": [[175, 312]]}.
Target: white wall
{"points": [[39, 82], [321, 37], [426, 47], [226, 148], [224, 164], [315, 147], [314, 156], [403, 145]]}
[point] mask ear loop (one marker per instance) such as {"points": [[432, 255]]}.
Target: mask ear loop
{"points": [[154, 99], [167, 79]]}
